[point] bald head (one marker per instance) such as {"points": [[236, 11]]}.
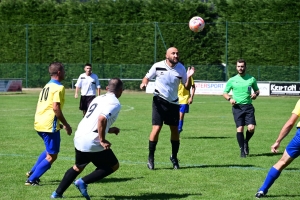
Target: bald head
{"points": [[172, 56]]}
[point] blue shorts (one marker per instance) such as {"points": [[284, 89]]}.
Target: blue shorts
{"points": [[51, 141], [184, 108], [293, 148]]}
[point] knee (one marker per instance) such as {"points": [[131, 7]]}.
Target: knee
{"points": [[51, 158], [77, 169], [251, 128]]}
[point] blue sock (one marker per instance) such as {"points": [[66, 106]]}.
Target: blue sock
{"points": [[40, 170], [180, 125], [39, 160], [272, 175]]}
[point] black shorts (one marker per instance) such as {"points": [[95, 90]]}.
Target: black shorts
{"points": [[164, 112], [100, 159], [85, 102], [243, 114]]}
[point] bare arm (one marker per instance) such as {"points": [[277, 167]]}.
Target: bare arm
{"points": [[102, 123], [60, 116], [144, 83], [98, 91], [284, 132], [228, 98], [190, 72], [193, 88], [255, 95], [76, 92]]}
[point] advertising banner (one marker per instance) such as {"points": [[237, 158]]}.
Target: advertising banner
{"points": [[289, 89], [214, 88], [10, 85]]}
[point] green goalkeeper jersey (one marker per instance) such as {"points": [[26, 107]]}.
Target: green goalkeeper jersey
{"points": [[241, 88]]}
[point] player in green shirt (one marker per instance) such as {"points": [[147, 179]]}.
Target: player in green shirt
{"points": [[241, 101]]}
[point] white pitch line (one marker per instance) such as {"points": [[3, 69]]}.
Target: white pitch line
{"points": [[129, 108]]}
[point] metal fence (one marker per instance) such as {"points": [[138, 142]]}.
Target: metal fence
{"points": [[276, 45]]}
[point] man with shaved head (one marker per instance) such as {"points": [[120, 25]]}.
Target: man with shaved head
{"points": [[49, 119], [165, 108]]}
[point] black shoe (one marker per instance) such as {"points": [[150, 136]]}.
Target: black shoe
{"points": [[28, 174], [174, 162], [259, 194], [246, 148], [32, 183], [243, 155], [150, 163]]}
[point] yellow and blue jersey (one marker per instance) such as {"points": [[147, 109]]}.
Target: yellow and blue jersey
{"points": [[184, 94], [45, 119]]}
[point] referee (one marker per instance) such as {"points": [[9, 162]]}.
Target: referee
{"points": [[241, 101], [165, 108]]}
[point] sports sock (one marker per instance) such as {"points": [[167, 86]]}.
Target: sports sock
{"points": [[272, 175], [180, 125], [67, 180], [175, 147], [249, 135], [40, 170], [41, 157], [152, 147], [97, 175], [240, 139]]}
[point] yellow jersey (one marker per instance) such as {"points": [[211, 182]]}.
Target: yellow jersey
{"points": [[45, 119], [184, 94]]}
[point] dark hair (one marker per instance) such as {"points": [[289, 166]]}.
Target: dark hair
{"points": [[55, 67], [241, 61], [88, 64]]}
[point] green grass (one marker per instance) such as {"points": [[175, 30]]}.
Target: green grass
{"points": [[209, 155]]}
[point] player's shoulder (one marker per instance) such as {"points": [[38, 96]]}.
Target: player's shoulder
{"points": [[160, 63], [94, 75]]}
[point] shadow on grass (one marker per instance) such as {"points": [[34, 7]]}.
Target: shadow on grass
{"points": [[210, 166], [264, 154], [111, 180], [151, 196], [105, 180], [281, 196], [206, 137]]}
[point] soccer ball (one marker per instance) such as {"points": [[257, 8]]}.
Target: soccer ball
{"points": [[196, 24]]}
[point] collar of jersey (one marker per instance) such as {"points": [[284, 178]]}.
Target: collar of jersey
{"points": [[55, 81]]}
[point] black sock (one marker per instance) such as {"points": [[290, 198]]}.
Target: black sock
{"points": [[67, 180], [249, 135], [152, 147], [240, 139], [175, 147], [97, 175]]}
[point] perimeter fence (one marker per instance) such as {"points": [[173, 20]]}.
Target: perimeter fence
{"points": [[272, 50]]}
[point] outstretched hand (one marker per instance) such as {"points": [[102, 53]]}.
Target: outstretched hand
{"points": [[190, 71]]}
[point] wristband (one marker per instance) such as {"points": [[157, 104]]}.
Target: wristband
{"points": [[257, 93], [228, 99]]}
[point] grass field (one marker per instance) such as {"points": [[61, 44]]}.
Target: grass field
{"points": [[211, 168]]}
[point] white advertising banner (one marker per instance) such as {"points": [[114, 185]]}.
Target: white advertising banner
{"points": [[214, 88]]}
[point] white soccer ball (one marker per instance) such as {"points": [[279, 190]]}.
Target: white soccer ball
{"points": [[196, 24]]}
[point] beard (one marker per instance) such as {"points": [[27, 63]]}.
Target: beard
{"points": [[174, 61]]}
